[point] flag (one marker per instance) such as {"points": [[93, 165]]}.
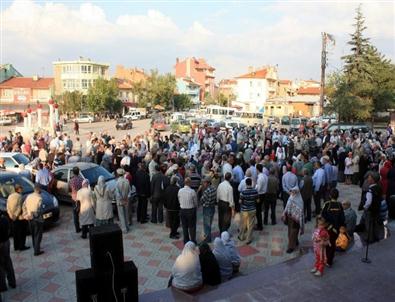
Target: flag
{"points": [[331, 38]]}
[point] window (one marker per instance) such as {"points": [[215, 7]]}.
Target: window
{"points": [[64, 82], [84, 68], [215, 111], [89, 69], [95, 69], [250, 83], [9, 163], [62, 175], [84, 84]]}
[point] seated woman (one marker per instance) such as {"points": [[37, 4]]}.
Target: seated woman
{"points": [[209, 265], [231, 248], [223, 258], [186, 274]]}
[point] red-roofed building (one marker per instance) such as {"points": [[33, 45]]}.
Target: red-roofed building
{"points": [[199, 71], [18, 92], [309, 91], [255, 87], [285, 88]]}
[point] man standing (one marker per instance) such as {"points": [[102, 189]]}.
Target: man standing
{"points": [[248, 198], [289, 181], [306, 190], [158, 184], [122, 191], [6, 267], [32, 209], [225, 203], [319, 186], [261, 187], [172, 206], [208, 201], [271, 197], [75, 184], [15, 213], [143, 190], [188, 204], [43, 177]]}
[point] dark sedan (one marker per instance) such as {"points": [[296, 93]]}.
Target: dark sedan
{"points": [[8, 180], [124, 124]]}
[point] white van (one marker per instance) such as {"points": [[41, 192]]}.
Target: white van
{"points": [[133, 115], [177, 116]]}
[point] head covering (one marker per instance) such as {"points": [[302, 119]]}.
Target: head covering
{"points": [[186, 270], [101, 185], [85, 183], [231, 248], [120, 171], [294, 208]]}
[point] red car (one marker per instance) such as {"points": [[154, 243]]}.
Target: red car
{"points": [[159, 125]]}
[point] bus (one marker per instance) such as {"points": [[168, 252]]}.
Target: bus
{"points": [[245, 117]]}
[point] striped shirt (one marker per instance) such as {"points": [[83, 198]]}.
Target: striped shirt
{"points": [[209, 197], [248, 199], [187, 198]]}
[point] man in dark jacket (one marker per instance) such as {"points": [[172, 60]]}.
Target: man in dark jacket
{"points": [[306, 190], [143, 190], [270, 199], [172, 206], [6, 267], [333, 214], [159, 182]]}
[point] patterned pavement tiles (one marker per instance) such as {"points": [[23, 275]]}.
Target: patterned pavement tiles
{"points": [[50, 277]]}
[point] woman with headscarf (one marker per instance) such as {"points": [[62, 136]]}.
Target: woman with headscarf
{"points": [[224, 259], [209, 266], [231, 248], [86, 214], [102, 197], [186, 274], [294, 218]]}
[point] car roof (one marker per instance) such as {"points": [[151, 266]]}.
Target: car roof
{"points": [[5, 173], [9, 153], [80, 165]]}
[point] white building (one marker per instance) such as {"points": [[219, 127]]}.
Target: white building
{"points": [[255, 87], [78, 75]]}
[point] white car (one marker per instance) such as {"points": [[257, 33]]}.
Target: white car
{"points": [[4, 121], [133, 115], [85, 118], [12, 160]]}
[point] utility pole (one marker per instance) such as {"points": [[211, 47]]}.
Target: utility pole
{"points": [[323, 66]]}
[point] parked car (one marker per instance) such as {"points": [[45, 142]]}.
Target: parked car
{"points": [[133, 115], [12, 160], [359, 127], [124, 124], [8, 180], [85, 118], [285, 120], [159, 125], [4, 121], [295, 123], [88, 171], [182, 126]]}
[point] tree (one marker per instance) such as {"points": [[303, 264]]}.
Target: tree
{"points": [[156, 90], [366, 85], [182, 101], [103, 96], [220, 100], [71, 101]]}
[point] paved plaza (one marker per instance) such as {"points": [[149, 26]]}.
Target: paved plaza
{"points": [[50, 277]]}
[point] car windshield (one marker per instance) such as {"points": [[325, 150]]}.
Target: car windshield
{"points": [[21, 159], [183, 122], [92, 174], [295, 121], [8, 182], [122, 120]]}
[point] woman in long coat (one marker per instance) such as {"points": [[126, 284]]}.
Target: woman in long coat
{"points": [[87, 213]]}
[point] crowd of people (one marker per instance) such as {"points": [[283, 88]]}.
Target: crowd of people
{"points": [[240, 173]]}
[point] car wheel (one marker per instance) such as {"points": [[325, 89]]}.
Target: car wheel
{"points": [[90, 121]]}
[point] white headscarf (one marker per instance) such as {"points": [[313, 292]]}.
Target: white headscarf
{"points": [[100, 186], [231, 248], [186, 270], [223, 258], [294, 208]]}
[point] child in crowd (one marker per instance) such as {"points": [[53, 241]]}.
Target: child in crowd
{"points": [[350, 218], [320, 241], [342, 240]]}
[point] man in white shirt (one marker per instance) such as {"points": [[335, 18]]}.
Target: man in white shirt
{"points": [[261, 187], [225, 203], [188, 204]]}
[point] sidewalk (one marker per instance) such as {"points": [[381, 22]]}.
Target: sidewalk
{"points": [[348, 280]]}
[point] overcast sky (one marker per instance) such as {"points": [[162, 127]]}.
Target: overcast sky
{"points": [[231, 35]]}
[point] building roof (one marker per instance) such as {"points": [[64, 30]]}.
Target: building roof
{"points": [[227, 82], [189, 81], [124, 84], [203, 64], [285, 81], [81, 60], [24, 82], [309, 90], [258, 74]]}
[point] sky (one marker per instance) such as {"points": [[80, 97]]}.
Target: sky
{"points": [[230, 35]]}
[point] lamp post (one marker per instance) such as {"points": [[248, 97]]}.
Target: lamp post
{"points": [[56, 107], [51, 117]]}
